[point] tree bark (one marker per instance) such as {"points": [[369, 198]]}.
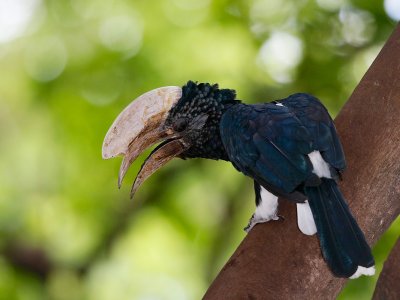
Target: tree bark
{"points": [[387, 287], [276, 261]]}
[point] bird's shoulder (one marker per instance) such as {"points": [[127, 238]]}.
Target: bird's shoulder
{"points": [[315, 117], [306, 107], [267, 120], [267, 142]]}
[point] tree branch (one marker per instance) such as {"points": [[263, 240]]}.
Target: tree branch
{"points": [[276, 261], [387, 286]]}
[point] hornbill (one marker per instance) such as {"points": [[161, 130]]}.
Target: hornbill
{"points": [[289, 147]]}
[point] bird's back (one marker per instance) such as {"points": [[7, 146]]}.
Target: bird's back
{"points": [[270, 142]]}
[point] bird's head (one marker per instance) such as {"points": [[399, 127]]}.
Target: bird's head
{"points": [[183, 121]]}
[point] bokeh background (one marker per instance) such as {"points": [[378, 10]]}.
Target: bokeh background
{"points": [[68, 67]]}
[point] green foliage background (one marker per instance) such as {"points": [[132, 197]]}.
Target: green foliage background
{"points": [[79, 63]]}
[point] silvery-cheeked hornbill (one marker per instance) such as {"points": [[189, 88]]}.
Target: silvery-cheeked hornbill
{"points": [[289, 147]]}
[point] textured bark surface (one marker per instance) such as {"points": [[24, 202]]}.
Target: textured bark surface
{"points": [[276, 261], [388, 287]]}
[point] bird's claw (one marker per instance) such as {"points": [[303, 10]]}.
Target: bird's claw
{"points": [[250, 225], [254, 221]]}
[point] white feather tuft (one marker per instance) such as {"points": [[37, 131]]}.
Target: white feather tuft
{"points": [[363, 271], [268, 206], [321, 168], [305, 219]]}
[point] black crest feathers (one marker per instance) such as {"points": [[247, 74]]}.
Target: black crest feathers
{"points": [[202, 93], [197, 100]]}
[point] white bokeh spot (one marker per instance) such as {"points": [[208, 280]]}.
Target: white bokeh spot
{"points": [[280, 55], [46, 59], [122, 34], [15, 16], [392, 8], [358, 26]]}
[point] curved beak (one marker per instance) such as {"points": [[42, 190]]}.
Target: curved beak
{"points": [[158, 158], [141, 125]]}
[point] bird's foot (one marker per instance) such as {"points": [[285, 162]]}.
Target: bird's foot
{"points": [[255, 220]]}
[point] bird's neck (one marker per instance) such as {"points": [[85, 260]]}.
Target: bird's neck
{"points": [[210, 145]]}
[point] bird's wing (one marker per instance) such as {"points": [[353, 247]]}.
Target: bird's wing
{"points": [[314, 116], [268, 143]]}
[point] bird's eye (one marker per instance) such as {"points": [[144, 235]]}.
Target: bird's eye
{"points": [[180, 125]]}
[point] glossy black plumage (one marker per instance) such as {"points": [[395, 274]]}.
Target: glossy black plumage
{"points": [[290, 148], [342, 242], [270, 143], [314, 116]]}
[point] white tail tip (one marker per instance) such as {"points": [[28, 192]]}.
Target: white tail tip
{"points": [[363, 271]]}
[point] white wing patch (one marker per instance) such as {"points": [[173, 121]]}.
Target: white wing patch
{"points": [[321, 168], [305, 219], [279, 104]]}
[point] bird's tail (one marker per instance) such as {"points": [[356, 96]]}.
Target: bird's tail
{"points": [[342, 242]]}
